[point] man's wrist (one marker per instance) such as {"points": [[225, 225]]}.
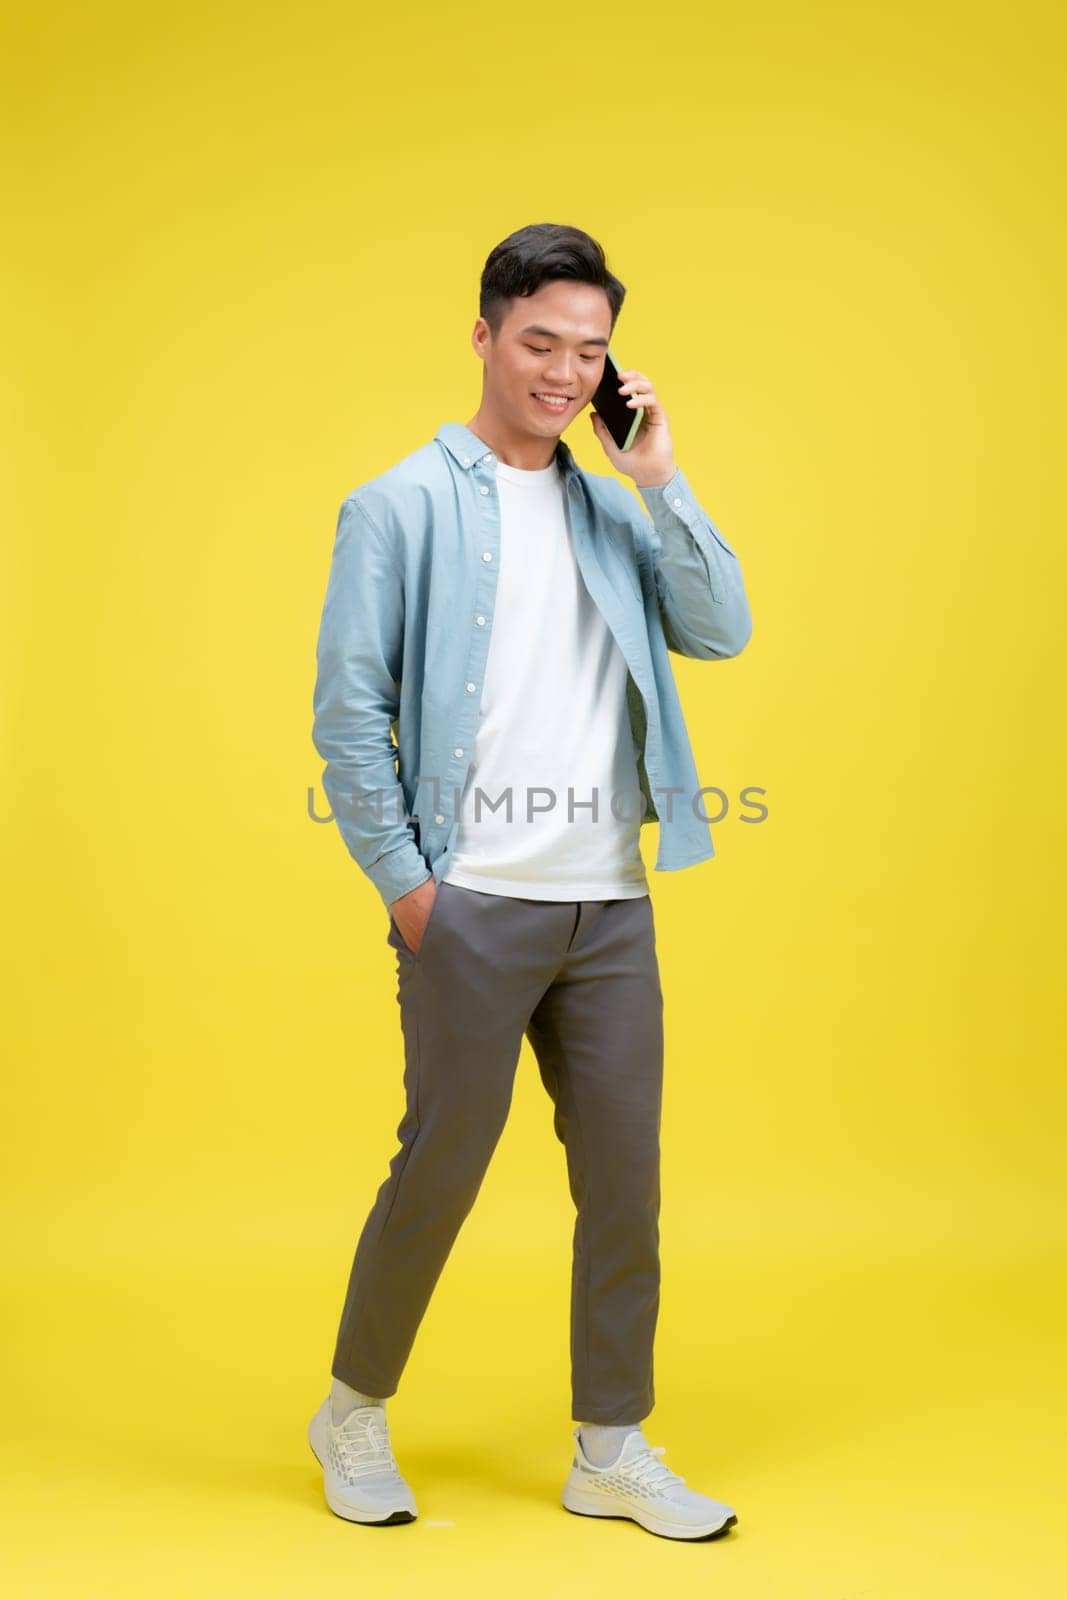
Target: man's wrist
{"points": [[660, 483]]}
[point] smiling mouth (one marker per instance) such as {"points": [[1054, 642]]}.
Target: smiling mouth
{"points": [[554, 402]]}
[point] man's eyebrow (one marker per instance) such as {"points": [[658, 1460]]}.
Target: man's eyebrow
{"points": [[547, 333]]}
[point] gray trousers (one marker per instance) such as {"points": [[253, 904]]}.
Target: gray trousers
{"points": [[581, 980]]}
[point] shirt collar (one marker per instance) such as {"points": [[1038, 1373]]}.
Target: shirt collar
{"points": [[467, 448]]}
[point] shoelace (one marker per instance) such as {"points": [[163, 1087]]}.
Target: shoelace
{"points": [[650, 1471], [362, 1442]]}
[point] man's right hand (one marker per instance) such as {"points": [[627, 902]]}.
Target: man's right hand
{"points": [[412, 911]]}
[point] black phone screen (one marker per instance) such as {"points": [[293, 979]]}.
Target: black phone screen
{"points": [[619, 418]]}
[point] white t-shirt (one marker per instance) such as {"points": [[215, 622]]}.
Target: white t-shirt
{"points": [[553, 718]]}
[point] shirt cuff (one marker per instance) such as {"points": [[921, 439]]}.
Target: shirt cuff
{"points": [[673, 502], [398, 871]]}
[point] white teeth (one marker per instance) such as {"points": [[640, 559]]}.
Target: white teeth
{"points": [[554, 400]]}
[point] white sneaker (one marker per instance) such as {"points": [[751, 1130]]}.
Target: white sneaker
{"points": [[361, 1477], [640, 1486]]}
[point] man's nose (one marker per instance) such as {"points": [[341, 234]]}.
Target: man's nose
{"points": [[562, 371]]}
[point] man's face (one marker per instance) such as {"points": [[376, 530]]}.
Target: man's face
{"points": [[551, 343]]}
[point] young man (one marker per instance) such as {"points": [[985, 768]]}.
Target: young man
{"points": [[508, 616]]}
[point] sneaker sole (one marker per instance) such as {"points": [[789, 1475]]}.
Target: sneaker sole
{"points": [[577, 1503], [350, 1514]]}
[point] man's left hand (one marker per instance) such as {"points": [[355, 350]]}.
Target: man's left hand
{"points": [[650, 459]]}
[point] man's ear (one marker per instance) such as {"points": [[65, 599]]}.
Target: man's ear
{"points": [[480, 336]]}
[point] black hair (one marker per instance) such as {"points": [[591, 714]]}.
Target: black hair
{"points": [[538, 254]]}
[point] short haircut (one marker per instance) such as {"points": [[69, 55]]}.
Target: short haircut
{"points": [[538, 254]]}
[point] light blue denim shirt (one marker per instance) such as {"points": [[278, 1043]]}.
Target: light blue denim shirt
{"points": [[405, 631]]}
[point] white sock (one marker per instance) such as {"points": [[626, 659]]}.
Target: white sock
{"points": [[603, 1442], [343, 1400]]}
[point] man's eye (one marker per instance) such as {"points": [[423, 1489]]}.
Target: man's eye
{"points": [[539, 351]]}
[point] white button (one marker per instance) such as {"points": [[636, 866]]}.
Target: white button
{"points": [[487, 458], [485, 488], [438, 819], [480, 621], [470, 688], [677, 501], [458, 751], [487, 555], [466, 461]]}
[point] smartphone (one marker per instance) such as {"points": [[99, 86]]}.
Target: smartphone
{"points": [[622, 421]]}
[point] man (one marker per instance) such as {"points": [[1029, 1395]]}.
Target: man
{"points": [[508, 616]]}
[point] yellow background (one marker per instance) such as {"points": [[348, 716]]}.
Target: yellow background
{"points": [[242, 260]]}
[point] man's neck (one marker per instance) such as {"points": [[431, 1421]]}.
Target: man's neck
{"points": [[525, 451]]}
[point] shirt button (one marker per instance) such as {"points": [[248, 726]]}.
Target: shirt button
{"points": [[487, 555], [485, 488], [458, 751], [466, 461], [480, 621], [677, 501], [438, 819], [471, 688]]}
